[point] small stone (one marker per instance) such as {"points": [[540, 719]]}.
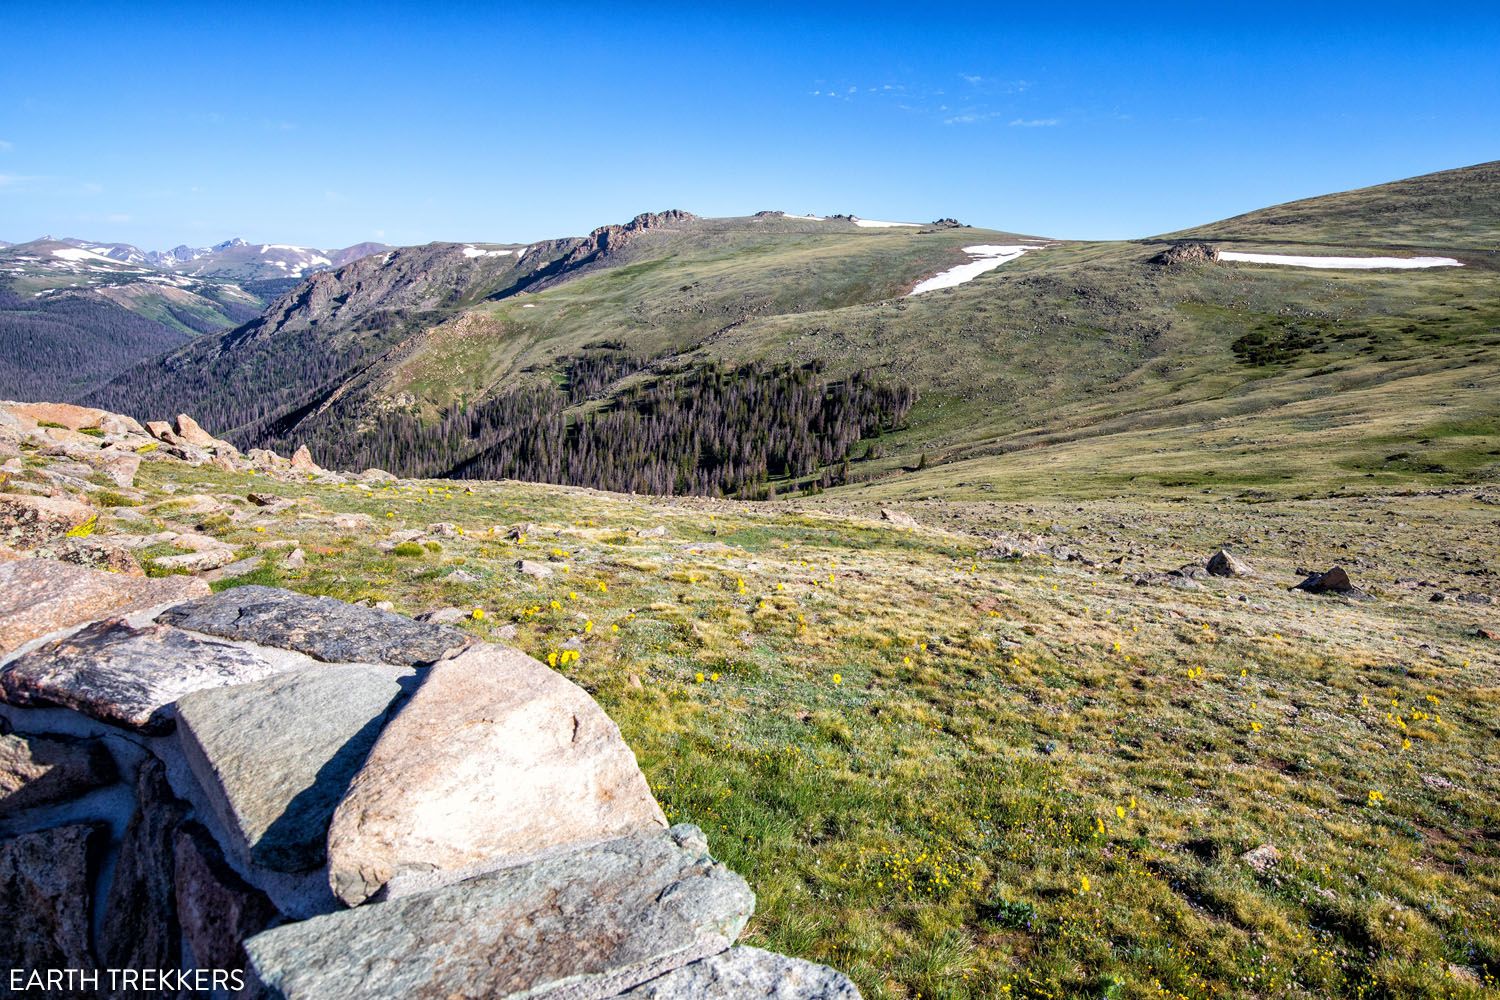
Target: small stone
{"points": [[587, 925], [569, 776], [188, 431], [1489, 632], [197, 562], [516, 532], [263, 499], [444, 616], [295, 559], [39, 596], [1225, 563], [1335, 581], [1262, 858], [529, 568], [660, 531], [275, 756], [125, 676], [321, 627], [741, 973], [444, 529], [37, 770]]}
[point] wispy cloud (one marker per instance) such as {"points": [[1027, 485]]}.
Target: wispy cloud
{"points": [[1035, 122], [6, 147], [15, 180]]}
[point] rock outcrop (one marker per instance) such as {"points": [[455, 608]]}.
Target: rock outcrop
{"points": [[318, 799], [1184, 254]]}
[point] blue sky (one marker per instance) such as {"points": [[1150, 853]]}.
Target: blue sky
{"points": [[330, 124]]}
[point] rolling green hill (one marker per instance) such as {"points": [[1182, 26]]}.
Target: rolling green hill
{"points": [[1079, 368]]}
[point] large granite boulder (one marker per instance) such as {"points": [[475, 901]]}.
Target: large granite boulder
{"points": [[583, 925], [126, 676], [140, 922], [216, 909], [27, 522], [321, 627], [274, 757], [40, 596], [514, 757], [46, 898], [39, 770], [744, 973]]}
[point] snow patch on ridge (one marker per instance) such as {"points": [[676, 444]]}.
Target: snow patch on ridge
{"points": [[877, 224], [473, 251], [986, 256], [1339, 263]]}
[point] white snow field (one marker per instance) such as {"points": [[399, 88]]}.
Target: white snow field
{"points": [[877, 224], [803, 218], [473, 251], [1339, 263], [986, 256]]}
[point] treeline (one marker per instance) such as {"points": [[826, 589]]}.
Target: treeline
{"points": [[59, 346], [706, 430]]}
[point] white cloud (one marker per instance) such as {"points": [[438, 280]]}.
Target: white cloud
{"points": [[1035, 122], [14, 180], [6, 147]]}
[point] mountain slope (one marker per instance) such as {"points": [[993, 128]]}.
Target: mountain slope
{"points": [[1448, 210], [1079, 363]]}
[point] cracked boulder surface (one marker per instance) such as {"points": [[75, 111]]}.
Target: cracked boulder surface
{"points": [[320, 627]]}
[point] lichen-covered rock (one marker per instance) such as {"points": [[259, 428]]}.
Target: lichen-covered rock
{"points": [[514, 757], [216, 909], [302, 460], [321, 627], [27, 522], [748, 974], [40, 596], [38, 770], [94, 552], [126, 676], [275, 756], [46, 898], [583, 925], [140, 922]]}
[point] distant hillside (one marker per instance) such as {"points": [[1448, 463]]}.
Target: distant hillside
{"points": [[1074, 367], [1448, 210]]}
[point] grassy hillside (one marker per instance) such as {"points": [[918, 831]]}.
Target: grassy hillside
{"points": [[960, 776], [1080, 368], [1448, 210]]}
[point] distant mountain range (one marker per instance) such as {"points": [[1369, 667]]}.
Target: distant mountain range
{"points": [[234, 258], [74, 312]]}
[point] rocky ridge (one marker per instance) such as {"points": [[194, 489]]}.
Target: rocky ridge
{"points": [[241, 783]]}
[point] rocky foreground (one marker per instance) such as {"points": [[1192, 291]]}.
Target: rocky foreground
{"points": [[302, 797]]}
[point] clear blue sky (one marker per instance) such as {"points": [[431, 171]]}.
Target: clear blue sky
{"points": [[328, 124]]}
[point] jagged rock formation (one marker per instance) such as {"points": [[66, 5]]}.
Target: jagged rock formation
{"points": [[267, 792]]}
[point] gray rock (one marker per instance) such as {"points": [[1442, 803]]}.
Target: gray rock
{"points": [[37, 770], [514, 757], [46, 895], [217, 910], [321, 627], [126, 676], [748, 974], [444, 616], [1225, 563], [660, 531], [274, 757], [584, 925], [140, 921], [197, 562], [529, 568]]}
